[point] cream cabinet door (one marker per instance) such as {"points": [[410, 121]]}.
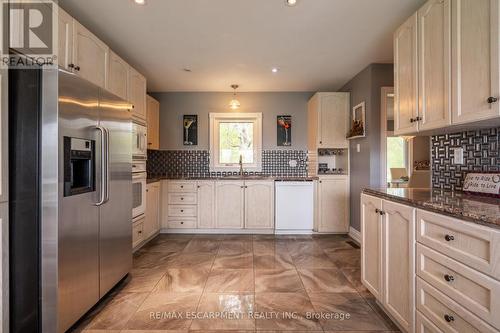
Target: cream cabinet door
{"points": [[475, 73], [333, 204], [229, 204], [65, 35], [206, 204], [118, 76], [259, 204], [152, 222], [90, 56], [434, 70], [371, 244], [405, 77], [399, 262], [137, 93], [333, 113], [153, 121]]}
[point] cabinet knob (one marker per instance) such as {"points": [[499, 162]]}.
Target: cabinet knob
{"points": [[377, 210], [139, 232], [198, 186], [321, 142], [381, 212], [412, 120], [449, 318], [182, 198], [71, 65], [449, 238], [77, 68], [182, 186], [182, 210], [492, 100], [449, 278], [418, 118], [182, 222]]}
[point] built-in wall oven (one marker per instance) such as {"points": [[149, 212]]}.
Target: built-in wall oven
{"points": [[138, 188], [140, 142]]}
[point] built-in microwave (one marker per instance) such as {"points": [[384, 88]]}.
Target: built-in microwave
{"points": [[139, 176], [140, 142]]}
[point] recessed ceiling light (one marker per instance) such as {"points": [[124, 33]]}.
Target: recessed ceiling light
{"points": [[275, 70], [291, 2], [140, 2]]}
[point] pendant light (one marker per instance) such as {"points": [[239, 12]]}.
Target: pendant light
{"points": [[234, 104]]}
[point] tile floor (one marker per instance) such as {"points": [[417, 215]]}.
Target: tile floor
{"points": [[243, 283]]}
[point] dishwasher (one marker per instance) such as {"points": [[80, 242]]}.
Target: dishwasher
{"points": [[294, 211]]}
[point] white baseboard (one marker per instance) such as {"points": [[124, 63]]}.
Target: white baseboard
{"points": [[354, 234], [217, 231]]}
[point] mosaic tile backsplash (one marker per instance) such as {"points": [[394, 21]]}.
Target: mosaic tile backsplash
{"points": [[481, 154], [195, 163]]}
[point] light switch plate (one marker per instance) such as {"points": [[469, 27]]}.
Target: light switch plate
{"points": [[458, 156]]}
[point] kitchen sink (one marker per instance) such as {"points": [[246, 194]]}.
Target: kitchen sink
{"points": [[252, 177]]}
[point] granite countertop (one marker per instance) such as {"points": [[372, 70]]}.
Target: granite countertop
{"points": [[155, 178], [472, 208]]}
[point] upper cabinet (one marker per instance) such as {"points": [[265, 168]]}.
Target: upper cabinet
{"points": [[118, 76], [137, 94], [90, 56], [328, 120], [65, 31], [153, 121], [446, 66], [405, 77], [475, 60]]}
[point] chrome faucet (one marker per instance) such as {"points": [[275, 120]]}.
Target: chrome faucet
{"points": [[241, 165]]}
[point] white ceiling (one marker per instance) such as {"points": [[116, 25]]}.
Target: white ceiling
{"points": [[318, 44]]}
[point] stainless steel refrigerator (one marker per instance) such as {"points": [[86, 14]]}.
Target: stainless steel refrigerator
{"points": [[71, 208]]}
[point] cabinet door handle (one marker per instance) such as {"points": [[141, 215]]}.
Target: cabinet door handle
{"points": [[449, 318], [449, 278], [377, 210], [449, 238], [321, 142], [182, 210], [139, 232], [182, 222], [412, 120], [492, 100], [182, 186], [77, 68], [71, 66], [199, 186], [418, 118]]}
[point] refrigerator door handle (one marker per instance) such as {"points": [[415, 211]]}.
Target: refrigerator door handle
{"points": [[102, 196], [106, 198]]}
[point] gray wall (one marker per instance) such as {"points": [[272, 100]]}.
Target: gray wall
{"points": [[365, 165], [175, 104]]}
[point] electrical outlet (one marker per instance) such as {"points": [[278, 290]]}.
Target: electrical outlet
{"points": [[458, 156], [358, 148]]}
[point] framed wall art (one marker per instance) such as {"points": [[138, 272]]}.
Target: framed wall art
{"points": [[284, 131], [190, 130]]}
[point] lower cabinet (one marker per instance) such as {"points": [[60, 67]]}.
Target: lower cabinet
{"points": [[206, 204], [152, 221], [230, 203], [138, 232], [333, 204], [388, 256], [259, 204]]}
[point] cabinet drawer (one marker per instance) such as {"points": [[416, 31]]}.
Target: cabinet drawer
{"points": [[137, 233], [424, 325], [445, 313], [182, 211], [473, 245], [178, 223], [184, 187], [475, 291], [182, 198]]}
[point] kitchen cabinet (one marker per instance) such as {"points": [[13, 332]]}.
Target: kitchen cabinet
{"points": [[406, 78], [90, 56], [259, 204], [65, 35], [118, 76], [138, 233], [206, 204], [137, 94], [434, 70], [152, 220], [229, 198], [328, 119], [398, 262], [475, 73], [333, 204], [371, 244], [153, 122], [388, 256]]}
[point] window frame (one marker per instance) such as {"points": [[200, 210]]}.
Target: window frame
{"points": [[215, 120]]}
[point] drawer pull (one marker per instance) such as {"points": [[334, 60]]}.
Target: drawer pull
{"points": [[139, 232], [449, 238], [182, 222], [492, 100], [182, 186], [449, 318], [182, 210], [449, 278], [377, 210], [182, 198]]}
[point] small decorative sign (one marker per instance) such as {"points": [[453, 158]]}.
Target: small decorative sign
{"points": [[284, 131], [485, 183], [190, 130]]}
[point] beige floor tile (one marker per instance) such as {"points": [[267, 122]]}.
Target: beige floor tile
{"points": [[266, 247], [117, 312], [202, 245], [308, 247], [228, 247], [153, 260], [236, 261], [353, 309], [230, 280], [277, 280], [325, 280], [192, 260], [165, 311], [273, 261], [354, 277], [306, 260], [170, 245], [290, 308], [345, 258], [142, 279], [183, 280], [233, 307]]}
